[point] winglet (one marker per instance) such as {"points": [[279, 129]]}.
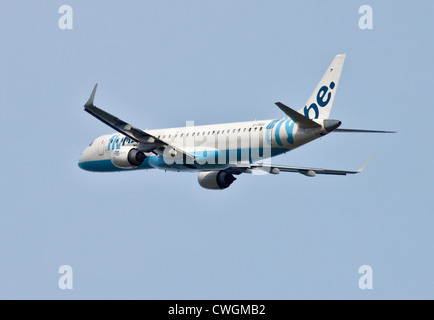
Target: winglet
{"points": [[89, 102], [366, 163]]}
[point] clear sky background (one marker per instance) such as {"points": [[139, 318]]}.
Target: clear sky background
{"points": [[157, 235]]}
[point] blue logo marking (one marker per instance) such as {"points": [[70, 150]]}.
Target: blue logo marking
{"points": [[116, 142], [322, 99], [268, 132], [276, 133], [289, 127]]}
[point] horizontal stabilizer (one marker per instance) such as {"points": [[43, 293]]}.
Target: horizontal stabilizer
{"points": [[363, 131], [301, 120]]}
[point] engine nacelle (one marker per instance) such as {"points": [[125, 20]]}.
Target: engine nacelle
{"points": [[215, 180], [127, 157]]}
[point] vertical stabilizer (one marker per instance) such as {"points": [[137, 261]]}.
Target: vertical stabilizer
{"points": [[320, 103]]}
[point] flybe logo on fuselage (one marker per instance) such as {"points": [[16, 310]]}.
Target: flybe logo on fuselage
{"points": [[323, 98], [289, 127], [116, 141]]}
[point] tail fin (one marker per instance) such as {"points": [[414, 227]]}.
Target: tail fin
{"points": [[320, 103]]}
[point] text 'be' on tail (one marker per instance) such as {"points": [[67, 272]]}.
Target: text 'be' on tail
{"points": [[320, 103]]}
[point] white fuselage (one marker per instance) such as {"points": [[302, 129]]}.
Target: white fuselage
{"points": [[214, 146]]}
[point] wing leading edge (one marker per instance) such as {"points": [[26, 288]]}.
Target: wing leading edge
{"points": [[147, 142]]}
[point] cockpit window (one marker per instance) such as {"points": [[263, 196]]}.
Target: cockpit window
{"points": [[91, 143]]}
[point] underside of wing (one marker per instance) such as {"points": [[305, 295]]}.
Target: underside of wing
{"points": [[275, 169]]}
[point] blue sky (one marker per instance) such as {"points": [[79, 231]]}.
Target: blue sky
{"points": [[156, 235]]}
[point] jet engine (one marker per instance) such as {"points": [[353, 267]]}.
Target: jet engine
{"points": [[215, 180], [127, 157]]}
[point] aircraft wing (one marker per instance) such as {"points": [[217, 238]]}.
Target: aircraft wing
{"points": [[275, 169], [147, 142]]}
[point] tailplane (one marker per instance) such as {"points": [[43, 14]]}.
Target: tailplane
{"points": [[362, 131], [320, 103]]}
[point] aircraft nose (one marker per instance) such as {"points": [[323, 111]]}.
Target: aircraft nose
{"points": [[84, 157], [80, 159]]}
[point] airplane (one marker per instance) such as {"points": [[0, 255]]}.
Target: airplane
{"points": [[219, 152]]}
